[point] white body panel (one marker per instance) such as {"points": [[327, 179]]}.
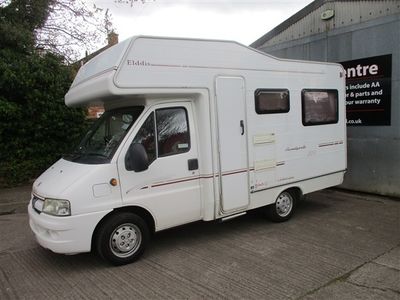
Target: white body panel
{"points": [[239, 167]]}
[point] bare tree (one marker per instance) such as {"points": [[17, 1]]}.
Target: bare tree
{"points": [[73, 28], [132, 2]]}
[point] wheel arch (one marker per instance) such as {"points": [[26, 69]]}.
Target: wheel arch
{"points": [[296, 190], [138, 210]]}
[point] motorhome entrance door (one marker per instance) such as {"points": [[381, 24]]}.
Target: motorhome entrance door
{"points": [[232, 142]]}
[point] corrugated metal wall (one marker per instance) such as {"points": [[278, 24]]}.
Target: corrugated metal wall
{"points": [[362, 29], [346, 13]]}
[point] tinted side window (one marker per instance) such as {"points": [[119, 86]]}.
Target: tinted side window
{"points": [[146, 137], [272, 101], [172, 131], [319, 107]]}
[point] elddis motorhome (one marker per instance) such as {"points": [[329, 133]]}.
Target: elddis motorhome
{"points": [[193, 130]]}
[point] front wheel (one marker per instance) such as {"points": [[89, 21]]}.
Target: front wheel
{"points": [[122, 238], [283, 208]]}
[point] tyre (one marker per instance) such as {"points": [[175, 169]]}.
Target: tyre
{"points": [[283, 208], [122, 238]]}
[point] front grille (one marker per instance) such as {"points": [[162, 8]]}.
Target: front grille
{"points": [[37, 203]]}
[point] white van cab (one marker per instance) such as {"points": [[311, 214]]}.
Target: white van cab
{"points": [[192, 130]]}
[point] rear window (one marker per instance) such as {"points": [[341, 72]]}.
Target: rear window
{"points": [[272, 101], [319, 107]]}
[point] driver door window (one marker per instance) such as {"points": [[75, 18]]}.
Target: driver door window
{"points": [[172, 131], [165, 133]]}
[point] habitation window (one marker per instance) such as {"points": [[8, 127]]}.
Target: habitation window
{"points": [[319, 106], [272, 101], [172, 131]]}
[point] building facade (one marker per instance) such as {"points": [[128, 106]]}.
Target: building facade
{"points": [[364, 36]]}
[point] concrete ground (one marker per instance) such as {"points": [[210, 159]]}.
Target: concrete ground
{"points": [[339, 245]]}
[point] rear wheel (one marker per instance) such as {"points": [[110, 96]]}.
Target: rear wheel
{"points": [[122, 238], [283, 208]]}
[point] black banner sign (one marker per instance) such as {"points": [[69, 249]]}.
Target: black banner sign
{"points": [[368, 90]]}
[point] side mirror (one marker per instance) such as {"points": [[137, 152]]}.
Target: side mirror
{"points": [[136, 158]]}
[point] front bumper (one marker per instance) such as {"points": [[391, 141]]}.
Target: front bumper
{"points": [[67, 235]]}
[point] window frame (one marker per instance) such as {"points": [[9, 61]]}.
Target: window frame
{"points": [[257, 93], [188, 130], [303, 111], [151, 114]]}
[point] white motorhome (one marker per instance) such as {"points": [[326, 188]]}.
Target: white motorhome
{"points": [[193, 130]]}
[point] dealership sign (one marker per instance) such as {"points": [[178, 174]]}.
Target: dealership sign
{"points": [[368, 90]]}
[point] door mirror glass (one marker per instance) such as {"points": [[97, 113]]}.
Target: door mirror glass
{"points": [[136, 158]]}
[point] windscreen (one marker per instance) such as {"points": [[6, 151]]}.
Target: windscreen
{"points": [[104, 136]]}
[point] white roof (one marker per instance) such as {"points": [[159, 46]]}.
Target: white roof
{"points": [[151, 62]]}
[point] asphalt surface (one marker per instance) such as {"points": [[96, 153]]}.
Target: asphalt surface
{"points": [[339, 245]]}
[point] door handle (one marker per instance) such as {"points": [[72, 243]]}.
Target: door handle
{"points": [[193, 164], [242, 126]]}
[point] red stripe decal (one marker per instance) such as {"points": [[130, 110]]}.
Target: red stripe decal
{"points": [[200, 177], [331, 144]]}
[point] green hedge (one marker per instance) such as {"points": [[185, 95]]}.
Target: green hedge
{"points": [[36, 127]]}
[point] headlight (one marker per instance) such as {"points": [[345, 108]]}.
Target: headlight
{"points": [[57, 207]]}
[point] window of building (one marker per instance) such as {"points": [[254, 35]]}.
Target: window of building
{"points": [[319, 107], [272, 101]]}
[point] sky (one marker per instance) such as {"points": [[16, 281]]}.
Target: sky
{"points": [[239, 20]]}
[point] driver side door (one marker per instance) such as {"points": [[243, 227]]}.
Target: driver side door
{"points": [[169, 189]]}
